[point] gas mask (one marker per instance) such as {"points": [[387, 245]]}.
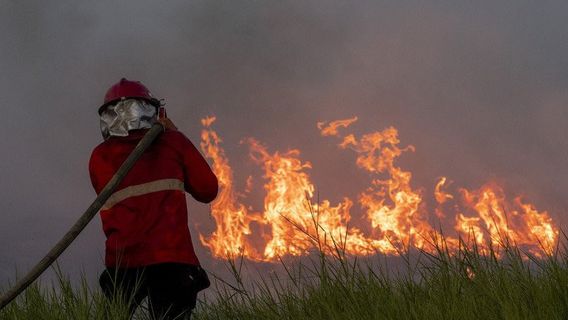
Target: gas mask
{"points": [[126, 115]]}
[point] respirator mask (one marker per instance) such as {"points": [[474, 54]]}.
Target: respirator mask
{"points": [[126, 115]]}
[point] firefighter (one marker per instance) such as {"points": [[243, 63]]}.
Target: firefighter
{"points": [[149, 252]]}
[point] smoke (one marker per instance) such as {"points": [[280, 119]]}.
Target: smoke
{"points": [[477, 88]]}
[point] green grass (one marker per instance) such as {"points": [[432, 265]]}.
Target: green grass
{"points": [[464, 285], [64, 301]]}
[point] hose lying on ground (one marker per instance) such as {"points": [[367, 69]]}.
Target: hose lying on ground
{"points": [[82, 222]]}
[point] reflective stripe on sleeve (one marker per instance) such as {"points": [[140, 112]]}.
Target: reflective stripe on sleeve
{"points": [[142, 189]]}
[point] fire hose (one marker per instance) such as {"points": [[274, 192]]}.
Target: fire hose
{"points": [[82, 222]]}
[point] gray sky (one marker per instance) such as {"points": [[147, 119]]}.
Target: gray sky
{"points": [[478, 87]]}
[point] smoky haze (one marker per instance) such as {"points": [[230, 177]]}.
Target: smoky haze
{"points": [[479, 88]]}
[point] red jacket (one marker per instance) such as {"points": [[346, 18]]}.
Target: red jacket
{"points": [[145, 220]]}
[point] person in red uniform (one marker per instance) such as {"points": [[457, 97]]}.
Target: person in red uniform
{"points": [[149, 252]]}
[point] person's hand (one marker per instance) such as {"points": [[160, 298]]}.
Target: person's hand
{"points": [[168, 124]]}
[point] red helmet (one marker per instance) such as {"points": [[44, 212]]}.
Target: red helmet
{"points": [[125, 89]]}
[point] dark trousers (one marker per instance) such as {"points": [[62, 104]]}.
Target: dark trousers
{"points": [[171, 288]]}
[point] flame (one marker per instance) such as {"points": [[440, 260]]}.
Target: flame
{"points": [[294, 221], [297, 224], [331, 128], [231, 217], [516, 223], [441, 196]]}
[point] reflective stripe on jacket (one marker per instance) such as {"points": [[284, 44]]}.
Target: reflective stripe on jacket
{"points": [[145, 220]]}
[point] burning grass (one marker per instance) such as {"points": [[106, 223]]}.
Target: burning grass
{"points": [[392, 213], [501, 282], [497, 281]]}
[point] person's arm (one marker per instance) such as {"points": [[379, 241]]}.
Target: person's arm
{"points": [[94, 162], [199, 179], [100, 170]]}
